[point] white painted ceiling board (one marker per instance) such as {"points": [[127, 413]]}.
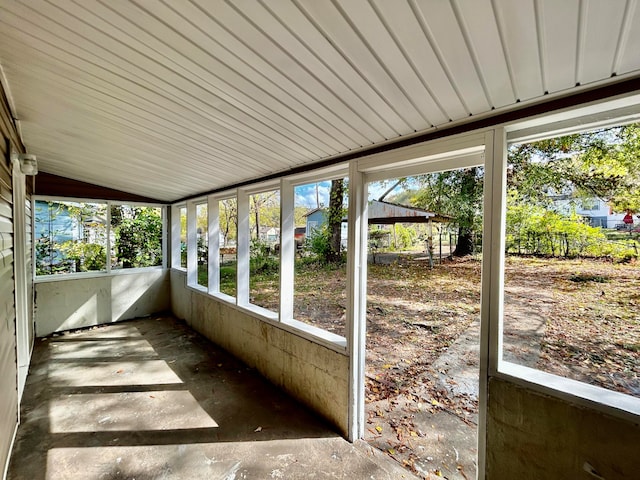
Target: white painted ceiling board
{"points": [[370, 23], [138, 95], [476, 17], [173, 98], [316, 74], [378, 111], [602, 27], [443, 32], [517, 21], [629, 47], [559, 33], [408, 33], [358, 52], [271, 57]]}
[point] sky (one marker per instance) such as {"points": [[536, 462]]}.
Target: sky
{"points": [[305, 195]]}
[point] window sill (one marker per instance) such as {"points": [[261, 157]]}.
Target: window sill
{"points": [[314, 334], [58, 277], [597, 398]]}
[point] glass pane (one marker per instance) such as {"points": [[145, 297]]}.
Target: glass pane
{"points": [[264, 250], [320, 211], [183, 237], [571, 272], [136, 234], [228, 242], [70, 237], [202, 223]]}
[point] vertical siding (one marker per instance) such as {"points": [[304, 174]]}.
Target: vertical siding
{"points": [[8, 366], [8, 361]]}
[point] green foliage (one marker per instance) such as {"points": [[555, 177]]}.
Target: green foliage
{"points": [[86, 256], [405, 236], [262, 260], [138, 234], [599, 164], [535, 229], [318, 243]]}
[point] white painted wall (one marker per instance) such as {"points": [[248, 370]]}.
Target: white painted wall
{"points": [[75, 302]]}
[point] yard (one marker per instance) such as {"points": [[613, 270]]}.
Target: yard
{"points": [[579, 318]]}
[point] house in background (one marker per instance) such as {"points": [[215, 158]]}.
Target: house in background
{"points": [[595, 211], [317, 217]]}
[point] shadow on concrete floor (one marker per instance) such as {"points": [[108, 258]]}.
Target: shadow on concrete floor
{"points": [[152, 399]]}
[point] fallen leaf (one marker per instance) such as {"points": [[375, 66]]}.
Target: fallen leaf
{"points": [[379, 428]]}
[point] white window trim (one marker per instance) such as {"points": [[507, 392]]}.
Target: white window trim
{"points": [[586, 118], [108, 270], [243, 240], [175, 236]]}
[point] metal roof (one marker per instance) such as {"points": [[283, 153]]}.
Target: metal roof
{"points": [[170, 98]]}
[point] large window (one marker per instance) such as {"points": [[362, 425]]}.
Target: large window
{"points": [[571, 289], [72, 237], [183, 237], [264, 249], [228, 221], [202, 241], [320, 212], [136, 234]]}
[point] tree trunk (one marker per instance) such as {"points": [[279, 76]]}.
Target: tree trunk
{"points": [[257, 217], [468, 186], [464, 245], [334, 219]]}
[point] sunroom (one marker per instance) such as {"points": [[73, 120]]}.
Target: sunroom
{"points": [[169, 123]]}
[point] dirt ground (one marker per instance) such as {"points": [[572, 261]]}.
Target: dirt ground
{"points": [[576, 318]]}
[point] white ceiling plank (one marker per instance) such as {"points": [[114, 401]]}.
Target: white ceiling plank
{"points": [[601, 24], [178, 97], [75, 97], [380, 112], [629, 47], [335, 26], [294, 59], [371, 25], [269, 61], [560, 33], [410, 36], [90, 47], [440, 24], [517, 20], [198, 59], [484, 41], [95, 75]]}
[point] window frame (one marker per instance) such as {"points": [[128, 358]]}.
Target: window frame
{"points": [[108, 270], [608, 113]]}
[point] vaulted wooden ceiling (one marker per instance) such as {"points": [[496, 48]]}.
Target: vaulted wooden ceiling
{"points": [[170, 98]]}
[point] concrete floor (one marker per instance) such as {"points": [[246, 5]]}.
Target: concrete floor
{"points": [[151, 399]]}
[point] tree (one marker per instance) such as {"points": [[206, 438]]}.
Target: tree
{"points": [[601, 163], [456, 193], [229, 219], [334, 219], [264, 209], [138, 235]]}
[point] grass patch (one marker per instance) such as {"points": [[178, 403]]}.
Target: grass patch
{"points": [[585, 277]]}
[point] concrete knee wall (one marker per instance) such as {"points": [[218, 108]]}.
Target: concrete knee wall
{"points": [[314, 374]]}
